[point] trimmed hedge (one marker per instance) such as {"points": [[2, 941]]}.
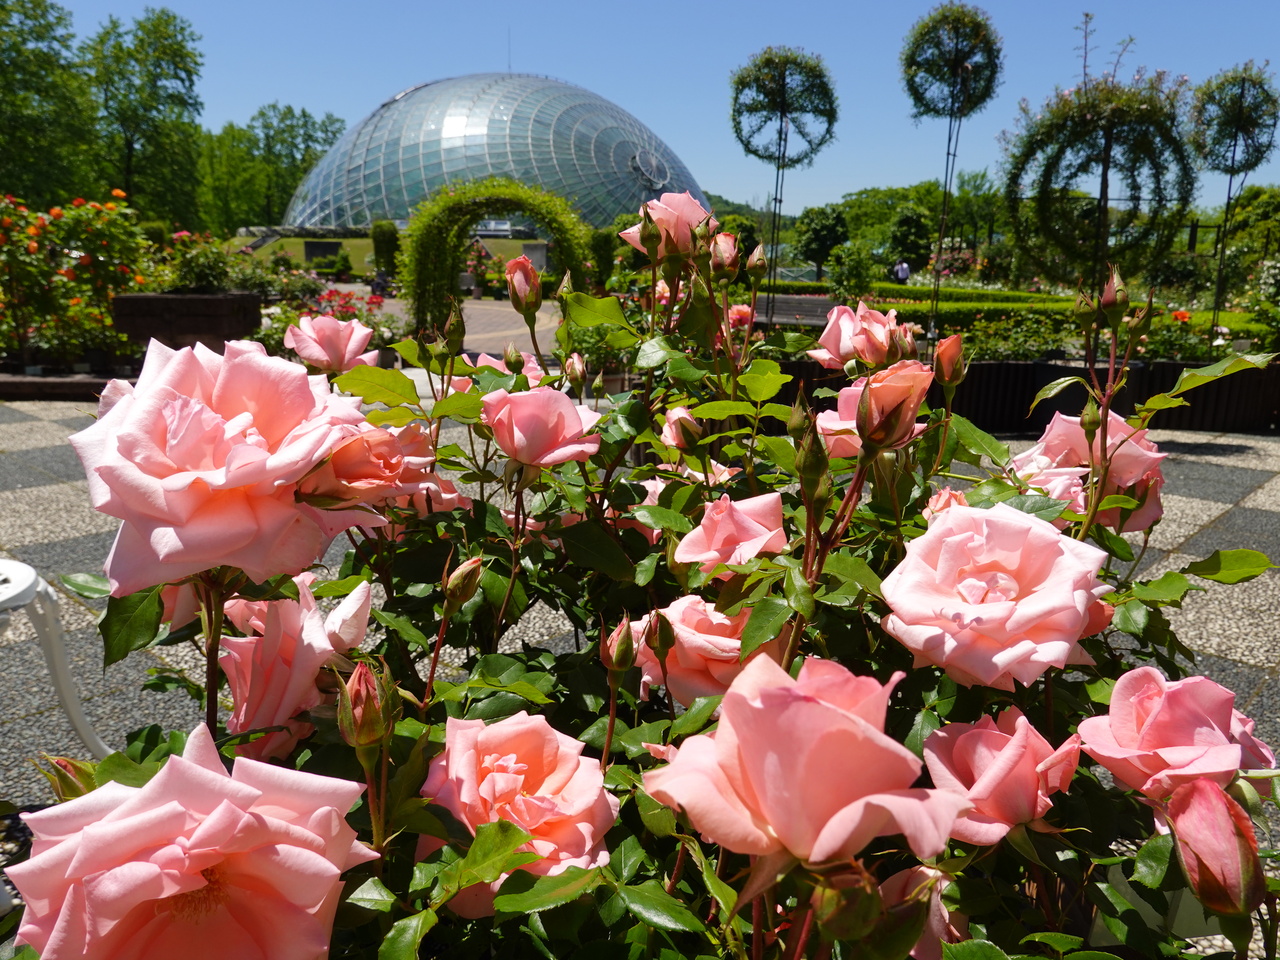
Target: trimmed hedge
{"points": [[897, 291]]}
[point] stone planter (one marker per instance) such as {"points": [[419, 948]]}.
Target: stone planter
{"points": [[182, 320]]}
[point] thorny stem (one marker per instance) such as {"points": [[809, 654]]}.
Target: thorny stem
{"points": [[213, 587], [757, 928], [516, 540], [678, 869], [799, 935], [435, 658]]}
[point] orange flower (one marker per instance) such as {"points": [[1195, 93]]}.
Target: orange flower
{"points": [[33, 247], [56, 213], [86, 259], [139, 279], [33, 231], [117, 192], [109, 206], [75, 301], [6, 222], [78, 202]]}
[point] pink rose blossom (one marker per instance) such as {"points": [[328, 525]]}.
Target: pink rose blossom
{"points": [[863, 334], [802, 768], [1218, 848], [364, 467], [541, 427], [520, 769], [944, 498], [532, 370], [197, 863], [839, 427], [680, 429], [676, 215], [1159, 734], [1059, 465], [889, 403], [706, 656], [331, 345], [1005, 768], [734, 532], [994, 596], [201, 461], [272, 672]]}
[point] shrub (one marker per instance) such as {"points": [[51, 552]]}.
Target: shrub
{"points": [[853, 270], [386, 245]]}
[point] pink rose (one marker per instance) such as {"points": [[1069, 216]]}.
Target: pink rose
{"points": [[1005, 768], [889, 403], [196, 863], [524, 286], [734, 532], [541, 426], [272, 672], [944, 498], [681, 429], [1217, 848], [993, 596], [363, 468], [802, 768], [1059, 465], [713, 475], [532, 370], [520, 769], [948, 361], [864, 334], [331, 345], [705, 658], [1159, 734], [940, 925], [201, 461], [676, 215], [839, 427]]}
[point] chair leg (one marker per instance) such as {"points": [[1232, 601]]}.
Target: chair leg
{"points": [[43, 611]]}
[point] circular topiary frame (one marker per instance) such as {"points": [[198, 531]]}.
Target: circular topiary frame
{"points": [[435, 245], [783, 82], [951, 62]]}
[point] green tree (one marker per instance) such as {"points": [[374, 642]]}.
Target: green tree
{"points": [[44, 152], [290, 142], [869, 213], [911, 235], [818, 231], [143, 81], [231, 180], [978, 207]]}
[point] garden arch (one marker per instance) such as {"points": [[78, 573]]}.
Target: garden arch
{"points": [[434, 251]]}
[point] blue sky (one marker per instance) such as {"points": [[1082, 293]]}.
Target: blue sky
{"points": [[670, 66]]}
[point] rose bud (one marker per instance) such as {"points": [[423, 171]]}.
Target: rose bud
{"points": [[575, 368], [462, 584], [525, 287], [366, 710], [757, 265], [948, 361], [1217, 848], [681, 430], [889, 403], [1115, 298], [69, 778], [619, 650], [724, 257]]}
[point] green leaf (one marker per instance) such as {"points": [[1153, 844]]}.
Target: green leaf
{"points": [[375, 385], [121, 769], [652, 904], [410, 351], [91, 586], [696, 717], [373, 895], [925, 723], [523, 892], [684, 369], [405, 936], [971, 950], [130, 623], [1113, 543], [588, 311], [798, 591], [1161, 401], [587, 544], [1230, 566], [658, 819], [1170, 587], [654, 353], [1046, 508], [765, 623], [851, 569], [1120, 501], [1055, 388], [1189, 379], [763, 379], [395, 417], [402, 625], [464, 407], [979, 442], [1100, 690], [337, 588], [493, 853], [780, 450], [1061, 942], [1152, 862], [660, 518], [1131, 617], [723, 409]]}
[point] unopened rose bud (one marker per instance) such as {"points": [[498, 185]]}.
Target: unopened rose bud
{"points": [[455, 331], [681, 429], [811, 460], [799, 422], [889, 403], [365, 712], [904, 344], [618, 652], [660, 637], [650, 233], [597, 385], [565, 288], [757, 266], [69, 778], [1090, 421], [513, 359], [524, 285], [847, 904], [724, 257], [1115, 298], [575, 369], [461, 584], [1217, 848], [948, 361]]}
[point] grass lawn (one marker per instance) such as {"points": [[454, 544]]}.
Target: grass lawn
{"points": [[358, 248]]}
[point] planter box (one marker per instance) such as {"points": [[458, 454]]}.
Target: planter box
{"points": [[182, 320], [996, 395]]}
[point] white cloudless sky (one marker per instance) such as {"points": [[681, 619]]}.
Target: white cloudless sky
{"points": [[669, 65]]}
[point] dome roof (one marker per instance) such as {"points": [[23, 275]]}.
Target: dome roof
{"points": [[532, 129]]}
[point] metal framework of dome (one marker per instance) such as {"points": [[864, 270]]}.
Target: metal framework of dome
{"points": [[532, 129]]}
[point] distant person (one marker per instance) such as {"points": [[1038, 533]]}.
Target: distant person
{"points": [[901, 271]]}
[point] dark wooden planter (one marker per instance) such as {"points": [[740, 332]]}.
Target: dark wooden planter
{"points": [[997, 395], [182, 320]]}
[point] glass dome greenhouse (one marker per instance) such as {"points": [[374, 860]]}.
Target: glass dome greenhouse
{"points": [[532, 129]]}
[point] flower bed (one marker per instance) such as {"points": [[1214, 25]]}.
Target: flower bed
{"points": [[818, 704]]}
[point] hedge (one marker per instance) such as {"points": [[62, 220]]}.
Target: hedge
{"points": [[896, 291]]}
